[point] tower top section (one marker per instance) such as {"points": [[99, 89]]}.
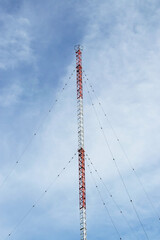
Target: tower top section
{"points": [[78, 47]]}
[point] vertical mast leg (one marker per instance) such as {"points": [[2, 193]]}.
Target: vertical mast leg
{"points": [[81, 152]]}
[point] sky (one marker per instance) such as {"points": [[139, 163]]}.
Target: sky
{"points": [[121, 56]]}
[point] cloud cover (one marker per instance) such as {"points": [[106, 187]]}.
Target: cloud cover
{"points": [[121, 58]]}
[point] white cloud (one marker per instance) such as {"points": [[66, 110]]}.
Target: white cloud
{"points": [[15, 41], [10, 95], [123, 65]]}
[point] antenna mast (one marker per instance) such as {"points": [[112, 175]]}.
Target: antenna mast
{"points": [[81, 152]]}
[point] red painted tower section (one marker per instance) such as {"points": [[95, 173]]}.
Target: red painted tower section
{"points": [[81, 152]]}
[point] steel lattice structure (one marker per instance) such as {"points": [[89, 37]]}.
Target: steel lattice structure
{"points": [[81, 152]]}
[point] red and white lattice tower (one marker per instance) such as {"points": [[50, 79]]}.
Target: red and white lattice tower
{"points": [[81, 152]]}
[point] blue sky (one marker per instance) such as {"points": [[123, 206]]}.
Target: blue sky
{"points": [[121, 56]]}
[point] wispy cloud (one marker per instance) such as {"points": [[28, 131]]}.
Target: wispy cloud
{"points": [[10, 96], [15, 41]]}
